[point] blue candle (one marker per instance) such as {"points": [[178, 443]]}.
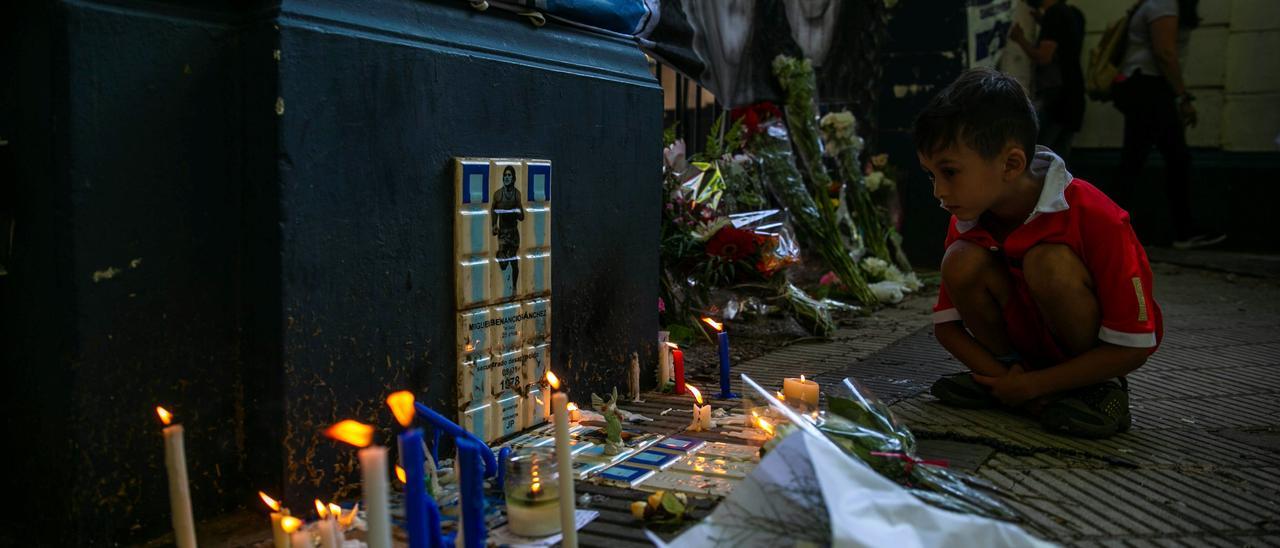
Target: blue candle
{"points": [[725, 392], [451, 428], [423, 528], [471, 491], [503, 455], [419, 507], [723, 339]]}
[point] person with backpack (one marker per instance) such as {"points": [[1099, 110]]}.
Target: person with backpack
{"points": [[1059, 80], [1157, 108]]}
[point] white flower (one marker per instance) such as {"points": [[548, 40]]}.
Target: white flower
{"points": [[875, 180], [912, 282], [838, 122], [892, 274], [888, 292], [705, 231], [875, 267], [674, 156]]}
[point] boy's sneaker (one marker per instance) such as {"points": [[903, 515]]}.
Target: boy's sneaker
{"points": [[960, 390], [1097, 411], [1200, 240]]}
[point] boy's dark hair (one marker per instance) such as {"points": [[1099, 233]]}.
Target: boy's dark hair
{"points": [[984, 109]]}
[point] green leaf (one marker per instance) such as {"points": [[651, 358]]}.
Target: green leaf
{"points": [[846, 407], [672, 504], [682, 334]]}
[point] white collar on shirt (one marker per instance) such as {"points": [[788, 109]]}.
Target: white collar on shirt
{"points": [[1052, 170]]}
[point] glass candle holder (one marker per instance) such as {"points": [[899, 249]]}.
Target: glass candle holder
{"points": [[533, 492]]}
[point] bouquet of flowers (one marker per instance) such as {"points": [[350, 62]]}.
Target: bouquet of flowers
{"points": [[864, 427]]}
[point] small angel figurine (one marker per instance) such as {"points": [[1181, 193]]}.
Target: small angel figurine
{"points": [[613, 422]]}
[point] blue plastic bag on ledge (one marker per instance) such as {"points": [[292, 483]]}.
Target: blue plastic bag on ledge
{"points": [[622, 16]]}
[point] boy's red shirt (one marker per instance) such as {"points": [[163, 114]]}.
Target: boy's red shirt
{"points": [[1075, 213]]}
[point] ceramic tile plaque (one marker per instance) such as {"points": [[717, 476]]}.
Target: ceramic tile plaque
{"points": [[502, 259]]}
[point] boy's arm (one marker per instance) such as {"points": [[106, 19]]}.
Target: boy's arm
{"points": [[953, 337], [1105, 361]]}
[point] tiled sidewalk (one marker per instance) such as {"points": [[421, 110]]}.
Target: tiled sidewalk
{"points": [[1201, 465]]}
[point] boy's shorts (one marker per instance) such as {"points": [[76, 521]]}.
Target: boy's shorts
{"points": [[1027, 330]]}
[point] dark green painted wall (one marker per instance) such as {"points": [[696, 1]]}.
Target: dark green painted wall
{"points": [[278, 272]]}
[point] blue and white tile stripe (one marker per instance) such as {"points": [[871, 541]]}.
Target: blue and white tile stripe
{"points": [[475, 182], [539, 188]]}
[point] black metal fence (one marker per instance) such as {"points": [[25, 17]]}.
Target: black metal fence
{"points": [[687, 107]]}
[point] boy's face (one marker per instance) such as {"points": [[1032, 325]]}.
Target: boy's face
{"points": [[965, 183]]}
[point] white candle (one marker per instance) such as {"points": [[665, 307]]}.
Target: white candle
{"points": [[295, 535], [373, 473], [533, 518], [335, 512], [568, 523], [327, 527], [301, 539], [533, 504], [801, 391], [175, 463], [279, 538], [664, 359], [701, 413], [701, 417]]}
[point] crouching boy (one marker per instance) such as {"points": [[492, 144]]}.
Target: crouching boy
{"points": [[1046, 292]]}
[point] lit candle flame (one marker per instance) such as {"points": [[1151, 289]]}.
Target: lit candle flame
{"points": [[536, 487], [345, 520], [270, 502], [553, 380], [802, 377], [781, 396], [696, 394], [400, 475], [352, 432], [290, 524], [165, 416], [766, 426], [334, 510], [401, 404], [321, 510], [714, 324], [571, 407]]}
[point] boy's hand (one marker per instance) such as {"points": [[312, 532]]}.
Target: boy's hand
{"points": [[1013, 388]]}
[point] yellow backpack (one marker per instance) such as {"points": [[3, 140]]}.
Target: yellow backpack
{"points": [[1105, 58]]}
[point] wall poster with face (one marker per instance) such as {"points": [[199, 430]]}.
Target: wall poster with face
{"points": [[502, 254]]}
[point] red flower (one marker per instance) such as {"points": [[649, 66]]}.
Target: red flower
{"points": [[734, 243], [753, 115]]}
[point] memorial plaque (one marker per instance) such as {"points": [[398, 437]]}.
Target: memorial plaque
{"points": [[502, 248]]}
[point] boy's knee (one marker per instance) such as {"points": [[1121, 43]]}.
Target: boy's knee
{"points": [[1054, 270], [966, 264]]}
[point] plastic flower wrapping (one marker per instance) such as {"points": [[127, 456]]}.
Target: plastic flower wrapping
{"points": [[864, 427]]}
